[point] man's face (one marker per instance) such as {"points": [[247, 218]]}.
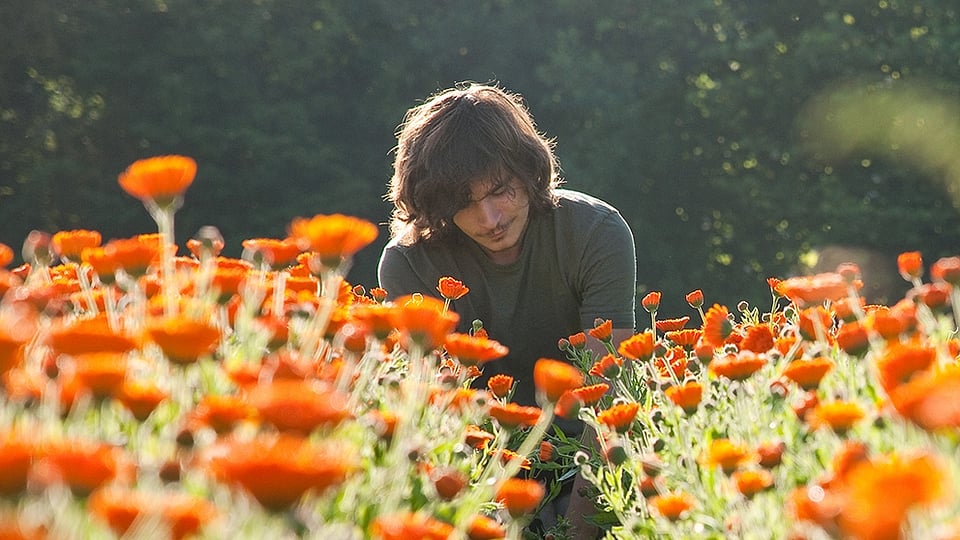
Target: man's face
{"points": [[496, 218]]}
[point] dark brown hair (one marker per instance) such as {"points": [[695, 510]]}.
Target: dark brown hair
{"points": [[461, 135]]}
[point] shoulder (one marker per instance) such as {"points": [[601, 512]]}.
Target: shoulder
{"points": [[581, 212]]}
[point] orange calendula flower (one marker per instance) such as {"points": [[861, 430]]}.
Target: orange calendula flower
{"points": [[476, 437], [673, 505], [472, 350], [6, 255], [161, 179], [838, 416], [619, 417], [880, 493], [737, 366], [89, 336], [68, 245], [299, 407], [451, 289], [602, 330], [725, 454], [910, 265], [279, 471], [141, 398], [512, 415], [687, 396], [578, 341], [221, 413], [333, 238], [687, 338], [12, 345], [651, 301], [717, 326], [808, 372], [554, 377], [694, 298], [900, 362], [407, 525], [946, 269], [547, 451], [183, 515], [853, 338], [608, 367], [500, 385], [273, 252], [133, 256], [520, 496], [751, 482], [17, 453], [84, 465], [485, 528], [507, 456], [770, 454], [182, 340], [758, 338], [100, 373], [638, 347], [591, 395], [930, 400], [422, 320], [672, 325], [813, 290]]}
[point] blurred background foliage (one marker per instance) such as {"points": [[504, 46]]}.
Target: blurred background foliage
{"points": [[740, 139]]}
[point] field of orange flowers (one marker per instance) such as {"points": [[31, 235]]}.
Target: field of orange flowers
{"points": [[149, 394]]}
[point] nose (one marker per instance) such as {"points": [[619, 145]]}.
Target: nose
{"points": [[488, 213]]}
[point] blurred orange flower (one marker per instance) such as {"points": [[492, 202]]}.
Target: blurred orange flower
{"points": [[68, 245], [485, 528], [751, 482], [808, 372], [141, 398], [687, 338], [183, 340], [673, 505], [298, 406], [930, 400], [422, 320], [476, 437], [725, 454], [278, 471], [221, 412], [717, 326], [813, 290], [89, 336], [273, 252], [910, 265], [838, 416], [901, 361], [332, 238], [17, 453], [880, 492], [85, 465], [687, 396], [608, 367], [520, 496], [181, 514], [407, 525], [100, 373], [737, 366], [161, 179], [6, 255], [554, 377], [512, 415]]}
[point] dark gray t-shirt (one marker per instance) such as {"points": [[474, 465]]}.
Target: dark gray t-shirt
{"points": [[577, 264]]}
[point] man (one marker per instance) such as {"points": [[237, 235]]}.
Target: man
{"points": [[476, 197]]}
